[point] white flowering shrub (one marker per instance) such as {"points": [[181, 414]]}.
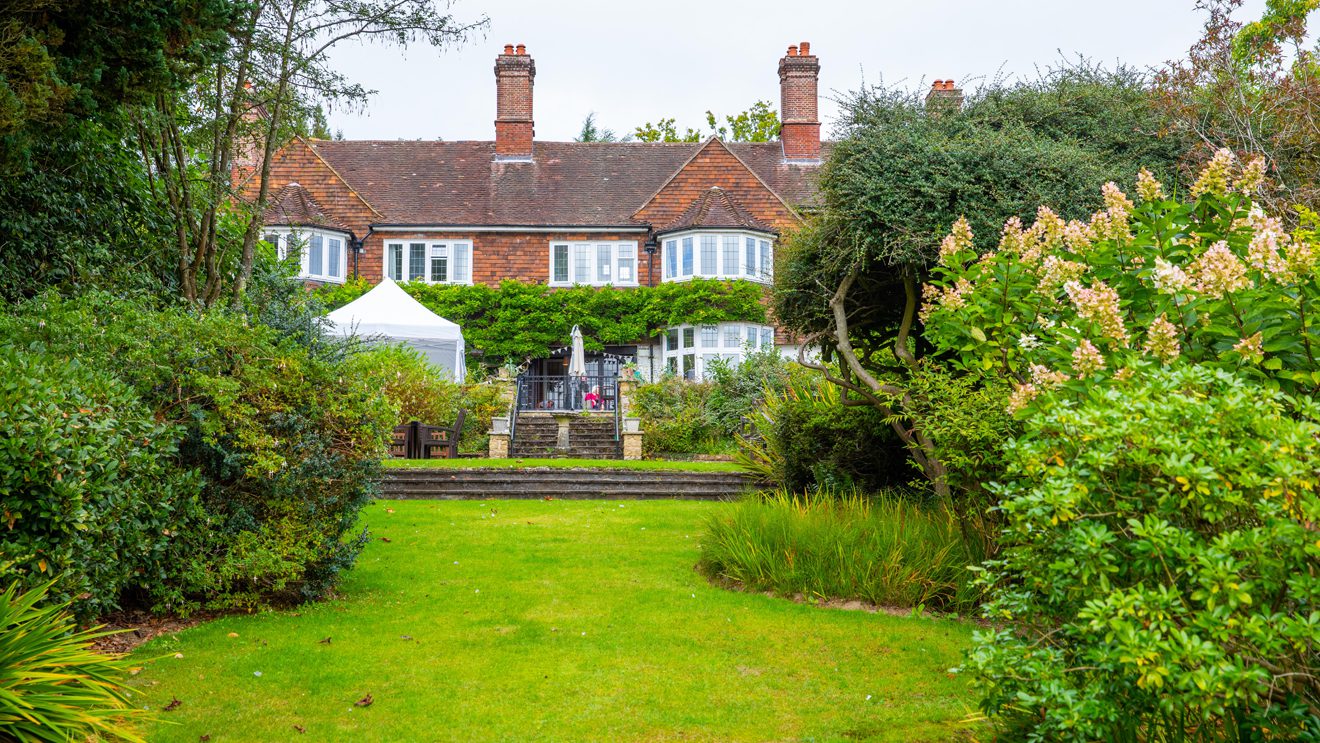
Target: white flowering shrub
{"points": [[1067, 303], [1158, 573]]}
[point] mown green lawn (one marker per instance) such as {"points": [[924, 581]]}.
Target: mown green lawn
{"points": [[523, 463], [559, 620]]}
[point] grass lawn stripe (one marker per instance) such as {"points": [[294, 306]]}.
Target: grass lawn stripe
{"points": [[562, 620]]}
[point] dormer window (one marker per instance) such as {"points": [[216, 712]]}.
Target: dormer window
{"points": [[322, 254], [723, 254]]}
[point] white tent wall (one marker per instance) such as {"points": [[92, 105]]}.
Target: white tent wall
{"points": [[388, 314]]}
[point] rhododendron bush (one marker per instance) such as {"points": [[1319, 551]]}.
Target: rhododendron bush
{"points": [[1146, 280]]}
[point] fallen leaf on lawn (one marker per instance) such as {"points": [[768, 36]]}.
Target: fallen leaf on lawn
{"points": [[549, 497], [365, 701], [233, 634], [386, 539], [173, 705], [389, 510], [326, 641], [204, 738], [178, 655], [135, 671], [405, 637], [300, 728]]}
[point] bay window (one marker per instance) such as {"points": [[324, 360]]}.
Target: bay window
{"points": [[432, 261], [720, 254], [322, 255], [593, 263]]}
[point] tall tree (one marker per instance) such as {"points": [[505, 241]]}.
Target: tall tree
{"points": [[74, 207], [1255, 89], [758, 123], [591, 132], [249, 104]]}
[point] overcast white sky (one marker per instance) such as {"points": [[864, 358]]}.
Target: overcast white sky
{"points": [[638, 62]]}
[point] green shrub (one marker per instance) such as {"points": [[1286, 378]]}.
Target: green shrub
{"points": [[415, 390], [53, 686], [1158, 579], [286, 441], [421, 392], [886, 550], [803, 437], [673, 415], [89, 491], [739, 389]]}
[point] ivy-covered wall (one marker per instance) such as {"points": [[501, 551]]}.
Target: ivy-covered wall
{"points": [[519, 320]]}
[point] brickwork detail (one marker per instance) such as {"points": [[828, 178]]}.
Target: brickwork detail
{"points": [[515, 74], [715, 165], [799, 72]]}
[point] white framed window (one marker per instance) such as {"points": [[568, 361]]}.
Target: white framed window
{"points": [[722, 254], [593, 263], [432, 261], [690, 350], [322, 254]]}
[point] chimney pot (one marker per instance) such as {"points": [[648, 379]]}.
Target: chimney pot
{"points": [[805, 49], [522, 49], [508, 48], [943, 96], [792, 51]]}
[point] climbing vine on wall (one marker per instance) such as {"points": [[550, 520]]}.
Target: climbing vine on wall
{"points": [[517, 320]]}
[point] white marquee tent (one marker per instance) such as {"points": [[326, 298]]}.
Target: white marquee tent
{"points": [[388, 314]]}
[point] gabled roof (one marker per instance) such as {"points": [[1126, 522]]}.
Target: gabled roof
{"points": [[294, 206], [716, 209], [600, 184]]}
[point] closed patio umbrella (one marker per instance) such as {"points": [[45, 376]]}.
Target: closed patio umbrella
{"points": [[577, 361], [577, 370]]}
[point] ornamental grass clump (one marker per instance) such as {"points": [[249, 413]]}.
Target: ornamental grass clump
{"points": [[1157, 576], [53, 686], [886, 550]]}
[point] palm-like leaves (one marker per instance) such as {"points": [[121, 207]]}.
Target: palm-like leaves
{"points": [[53, 686]]}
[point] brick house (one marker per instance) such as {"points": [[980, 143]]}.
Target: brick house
{"points": [[619, 214]]}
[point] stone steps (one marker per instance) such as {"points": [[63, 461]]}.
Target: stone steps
{"points": [[537, 435], [565, 484]]}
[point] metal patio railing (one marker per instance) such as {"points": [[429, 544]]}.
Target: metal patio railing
{"points": [[558, 393]]}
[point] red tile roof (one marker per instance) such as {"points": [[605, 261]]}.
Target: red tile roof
{"points": [[567, 183], [716, 209], [294, 206]]}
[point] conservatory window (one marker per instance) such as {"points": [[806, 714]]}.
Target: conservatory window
{"points": [[593, 263], [434, 262], [720, 254], [703, 344]]}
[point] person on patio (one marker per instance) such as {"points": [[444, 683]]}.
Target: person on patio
{"points": [[592, 398]]}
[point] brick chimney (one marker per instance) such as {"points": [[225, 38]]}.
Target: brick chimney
{"points": [[514, 73], [943, 97], [800, 133]]}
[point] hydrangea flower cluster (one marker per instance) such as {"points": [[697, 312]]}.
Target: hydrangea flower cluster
{"points": [[1162, 340], [1218, 271], [1214, 178], [1099, 304]]}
